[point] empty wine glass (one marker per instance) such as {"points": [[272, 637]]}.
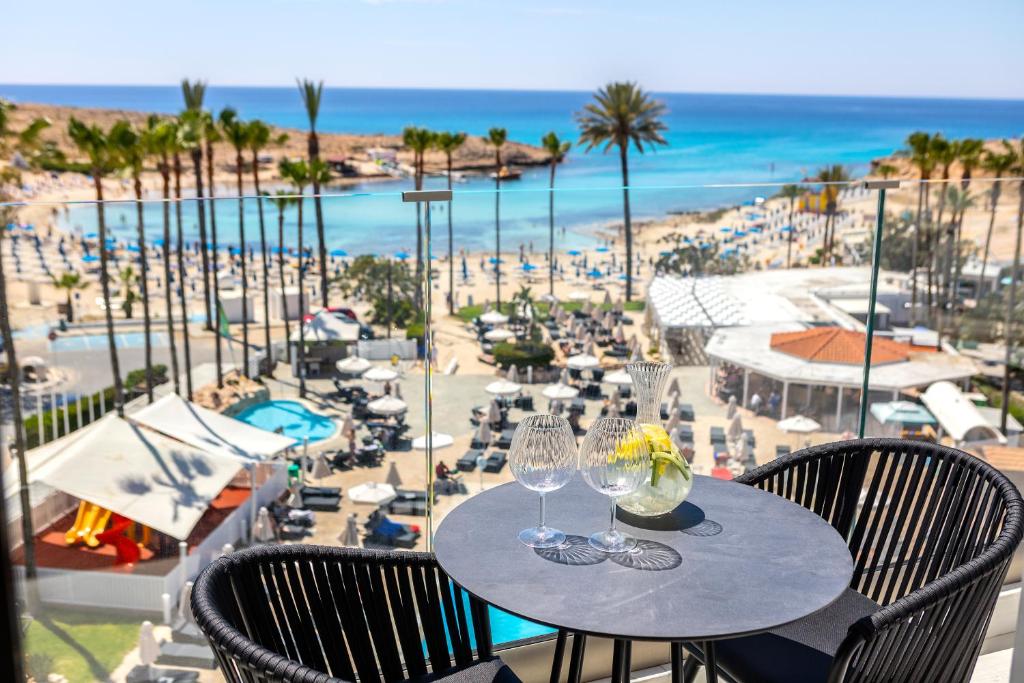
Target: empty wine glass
{"points": [[543, 459], [615, 461]]}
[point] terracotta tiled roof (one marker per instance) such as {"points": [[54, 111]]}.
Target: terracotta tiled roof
{"points": [[836, 345]]}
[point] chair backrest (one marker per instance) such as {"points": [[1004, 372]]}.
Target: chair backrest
{"points": [[315, 614], [931, 530]]}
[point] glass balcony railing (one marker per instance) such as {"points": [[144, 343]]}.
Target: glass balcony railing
{"points": [[349, 328]]}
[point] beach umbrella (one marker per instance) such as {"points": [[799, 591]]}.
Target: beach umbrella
{"points": [[149, 649], [185, 603], [350, 534], [495, 260], [393, 477], [338, 253], [673, 421], [582, 361], [401, 255], [618, 378], [798, 424], [594, 273], [637, 355], [734, 432], [494, 412], [494, 318], [673, 386], [528, 267], [503, 387], [321, 468], [602, 250], [620, 334], [588, 348], [513, 374], [560, 392], [263, 532], [294, 497], [379, 374], [499, 335], [608, 322], [614, 409], [387, 405], [574, 252], [353, 365], [588, 307], [483, 433], [372, 493], [439, 441], [396, 391], [730, 409], [348, 427]]}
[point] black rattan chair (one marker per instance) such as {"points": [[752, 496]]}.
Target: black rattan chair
{"points": [[932, 531], [314, 614]]}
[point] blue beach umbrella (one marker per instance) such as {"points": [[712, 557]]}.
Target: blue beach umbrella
{"points": [[664, 253], [574, 252], [595, 273], [788, 228], [725, 229], [133, 247], [739, 233], [90, 258], [529, 266], [91, 235], [495, 261], [602, 250], [401, 255], [339, 252]]}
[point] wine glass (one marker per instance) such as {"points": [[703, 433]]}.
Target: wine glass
{"points": [[543, 459], [615, 461]]}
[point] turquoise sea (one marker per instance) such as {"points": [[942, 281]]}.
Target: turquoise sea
{"points": [[713, 139]]}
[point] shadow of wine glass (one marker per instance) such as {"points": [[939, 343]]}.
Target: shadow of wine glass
{"points": [[648, 556], [707, 527], [575, 552]]}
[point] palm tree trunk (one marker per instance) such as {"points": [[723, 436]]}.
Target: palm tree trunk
{"points": [[145, 288], [314, 154], [218, 358], [245, 279], [280, 273], [115, 366], [14, 379], [451, 246], [996, 187], [551, 229], [302, 308], [169, 308], [417, 165], [497, 228], [789, 240], [263, 256], [628, 224], [181, 277], [913, 264], [197, 164], [1011, 304]]}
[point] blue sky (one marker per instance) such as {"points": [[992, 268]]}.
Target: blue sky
{"points": [[869, 47]]}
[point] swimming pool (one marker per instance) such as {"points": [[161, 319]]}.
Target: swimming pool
{"points": [[97, 342], [290, 418]]}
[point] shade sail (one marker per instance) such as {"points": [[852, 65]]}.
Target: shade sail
{"points": [[387, 405], [560, 392], [353, 365], [503, 387], [379, 374], [210, 431], [901, 412], [798, 424], [141, 475]]}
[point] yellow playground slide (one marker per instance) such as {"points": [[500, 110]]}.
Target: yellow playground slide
{"points": [[90, 520]]}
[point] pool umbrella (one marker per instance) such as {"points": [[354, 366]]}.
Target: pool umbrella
{"points": [[401, 255], [730, 409], [263, 532], [321, 468], [614, 410], [618, 378], [353, 365], [494, 412], [582, 361], [348, 427], [387, 405], [560, 392], [673, 421], [637, 355], [512, 375], [588, 348], [494, 318], [379, 374], [372, 493], [393, 477], [798, 424], [350, 534], [673, 386], [483, 433], [588, 307], [499, 335], [339, 252], [439, 441], [149, 649], [397, 391], [503, 387], [734, 432]]}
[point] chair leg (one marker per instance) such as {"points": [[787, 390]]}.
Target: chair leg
{"points": [[556, 662], [579, 644], [710, 663], [620, 665], [690, 668]]}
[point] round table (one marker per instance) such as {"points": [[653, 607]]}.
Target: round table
{"points": [[730, 561]]}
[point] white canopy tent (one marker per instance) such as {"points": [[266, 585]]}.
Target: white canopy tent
{"points": [[957, 416], [141, 475], [329, 327]]}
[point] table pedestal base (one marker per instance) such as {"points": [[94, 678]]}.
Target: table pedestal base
{"points": [[683, 669]]}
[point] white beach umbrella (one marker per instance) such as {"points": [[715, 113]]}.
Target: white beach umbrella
{"points": [[503, 387], [673, 386], [607, 298], [494, 412], [483, 433], [263, 532], [588, 307], [348, 427], [396, 391], [294, 497], [387, 405], [730, 408], [734, 432], [582, 361], [185, 603], [608, 321], [439, 441], [637, 355], [379, 374], [588, 348], [350, 534], [499, 335], [799, 425], [619, 377], [494, 318], [560, 392], [613, 410], [616, 401], [321, 468], [149, 649], [372, 493], [394, 478], [513, 374], [620, 334], [353, 365], [673, 421]]}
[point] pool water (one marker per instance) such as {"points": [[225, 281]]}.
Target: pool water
{"points": [[291, 418]]}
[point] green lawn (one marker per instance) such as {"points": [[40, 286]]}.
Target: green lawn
{"points": [[83, 646], [468, 313]]}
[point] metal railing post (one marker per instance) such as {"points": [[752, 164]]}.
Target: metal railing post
{"points": [[425, 197]]}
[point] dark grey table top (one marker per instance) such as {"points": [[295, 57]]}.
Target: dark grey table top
{"points": [[732, 560]]}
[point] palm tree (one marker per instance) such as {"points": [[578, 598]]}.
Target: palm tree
{"points": [[997, 164], [497, 137], [959, 201], [196, 124], [69, 282], [298, 173], [180, 143], [211, 135], [131, 146], [311, 94], [419, 140], [969, 155], [92, 141], [282, 200], [623, 113], [886, 171], [831, 177], [1011, 299], [259, 137], [236, 132], [448, 143], [919, 148], [556, 150], [162, 136], [792, 193]]}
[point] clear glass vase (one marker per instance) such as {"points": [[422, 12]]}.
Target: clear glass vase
{"points": [[671, 478]]}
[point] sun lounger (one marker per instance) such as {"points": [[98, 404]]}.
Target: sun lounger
{"points": [[782, 449], [408, 503], [686, 412], [321, 503], [751, 440], [186, 654], [321, 491], [496, 462], [505, 440], [153, 674], [717, 436], [186, 631], [578, 405], [467, 463]]}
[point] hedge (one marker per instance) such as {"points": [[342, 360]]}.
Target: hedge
{"points": [[523, 355]]}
